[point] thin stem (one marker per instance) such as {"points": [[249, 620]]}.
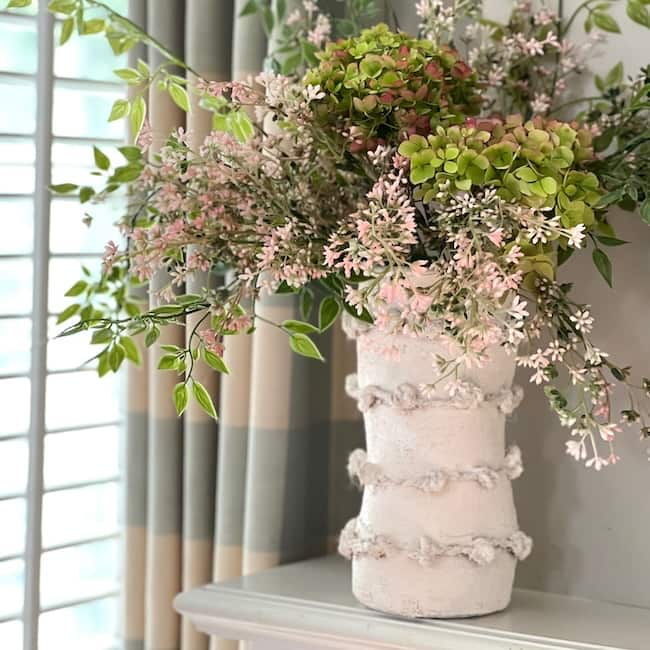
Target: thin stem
{"points": [[574, 15], [146, 37], [580, 100]]}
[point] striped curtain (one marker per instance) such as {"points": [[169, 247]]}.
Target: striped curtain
{"points": [[203, 501]]}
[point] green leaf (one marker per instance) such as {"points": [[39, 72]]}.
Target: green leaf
{"points": [[602, 141], [605, 22], [249, 9], [638, 13], [363, 316], [129, 75], [103, 366], [143, 68], [180, 97], [241, 125], [215, 362], [181, 397], [131, 350], [133, 310], [101, 159], [549, 185], [303, 345], [291, 63], [610, 241], [86, 193], [603, 264], [67, 313], [615, 75], [328, 312], [115, 357], [526, 174], [120, 109], [168, 362], [644, 210], [64, 188], [66, 30], [127, 173], [138, 113], [280, 9], [306, 302], [202, 396], [284, 288], [299, 326], [421, 174], [152, 336], [104, 335], [131, 153], [56, 6], [617, 373], [188, 298], [94, 26], [309, 52], [76, 289], [267, 20], [563, 254], [167, 310]]}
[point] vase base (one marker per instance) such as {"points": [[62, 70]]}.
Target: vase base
{"points": [[451, 588], [435, 616]]}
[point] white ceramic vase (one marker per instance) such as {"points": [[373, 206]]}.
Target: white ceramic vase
{"points": [[437, 535]]}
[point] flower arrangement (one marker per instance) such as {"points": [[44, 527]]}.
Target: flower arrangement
{"points": [[422, 187]]}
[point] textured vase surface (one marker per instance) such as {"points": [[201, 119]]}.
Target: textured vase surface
{"points": [[437, 535]]}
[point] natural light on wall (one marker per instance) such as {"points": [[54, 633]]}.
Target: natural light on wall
{"points": [[72, 542]]}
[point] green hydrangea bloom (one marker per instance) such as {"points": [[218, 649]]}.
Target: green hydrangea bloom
{"points": [[387, 85], [536, 163]]}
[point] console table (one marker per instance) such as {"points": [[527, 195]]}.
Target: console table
{"points": [[308, 605]]}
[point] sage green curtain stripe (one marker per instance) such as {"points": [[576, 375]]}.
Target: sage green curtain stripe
{"points": [[267, 459], [305, 514], [200, 468], [130, 644], [208, 37], [166, 469], [134, 464], [286, 493], [231, 486], [344, 498], [249, 44]]}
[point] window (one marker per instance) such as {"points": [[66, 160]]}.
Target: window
{"points": [[59, 428]]}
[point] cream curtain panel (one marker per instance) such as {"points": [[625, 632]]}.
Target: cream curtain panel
{"points": [[267, 484]]}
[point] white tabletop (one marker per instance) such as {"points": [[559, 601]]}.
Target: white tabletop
{"points": [[311, 601]]}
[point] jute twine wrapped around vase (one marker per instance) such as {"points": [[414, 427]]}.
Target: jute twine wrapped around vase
{"points": [[437, 535]]}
